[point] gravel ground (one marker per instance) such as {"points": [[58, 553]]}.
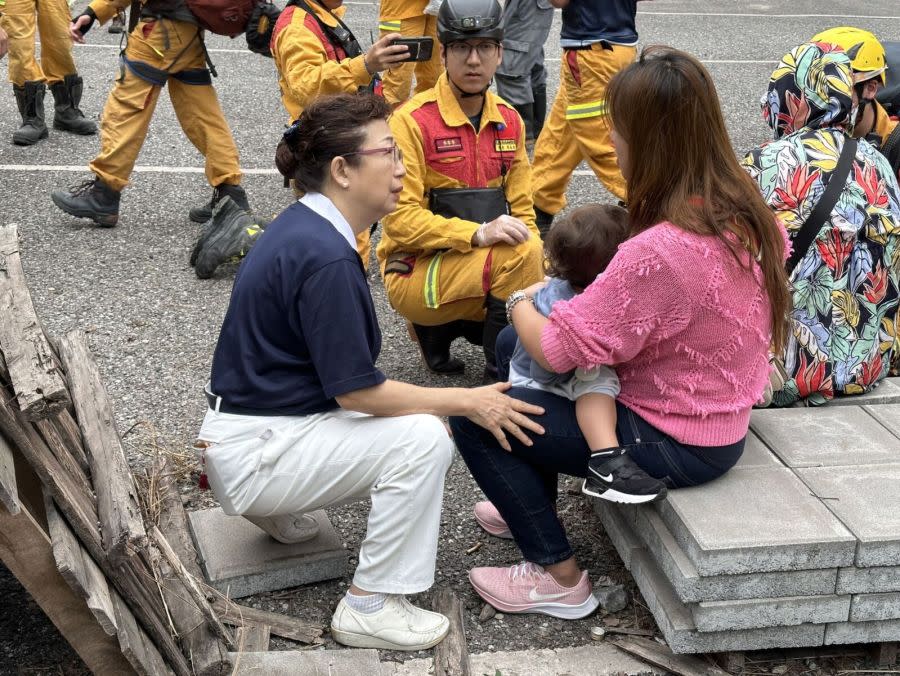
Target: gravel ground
{"points": [[153, 325]]}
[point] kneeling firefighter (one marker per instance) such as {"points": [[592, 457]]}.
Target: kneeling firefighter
{"points": [[462, 237]]}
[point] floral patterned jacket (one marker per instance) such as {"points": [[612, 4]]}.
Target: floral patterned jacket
{"points": [[846, 289]]}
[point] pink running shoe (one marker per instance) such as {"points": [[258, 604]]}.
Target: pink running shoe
{"points": [[489, 518], [528, 588]]}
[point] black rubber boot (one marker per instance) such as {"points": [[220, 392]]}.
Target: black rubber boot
{"points": [[68, 116], [543, 221], [92, 199], [494, 323], [434, 345], [235, 192], [540, 108], [526, 110], [230, 234], [30, 101]]}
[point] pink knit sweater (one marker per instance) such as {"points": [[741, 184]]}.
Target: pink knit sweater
{"points": [[685, 326]]}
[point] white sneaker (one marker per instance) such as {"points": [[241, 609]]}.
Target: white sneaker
{"points": [[288, 529], [399, 625]]}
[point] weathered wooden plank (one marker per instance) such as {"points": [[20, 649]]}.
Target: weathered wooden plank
{"points": [[660, 656], [78, 569], [25, 549], [68, 430], [189, 585], [117, 505], [208, 654], [39, 387], [57, 439], [253, 638], [451, 656], [9, 493], [280, 625], [136, 647], [66, 461], [131, 578]]}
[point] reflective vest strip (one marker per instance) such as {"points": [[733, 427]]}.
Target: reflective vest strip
{"points": [[390, 26], [432, 276], [580, 110]]}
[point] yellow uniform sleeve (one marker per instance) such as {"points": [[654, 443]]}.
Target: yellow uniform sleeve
{"points": [[305, 69], [518, 187], [411, 226], [105, 10]]}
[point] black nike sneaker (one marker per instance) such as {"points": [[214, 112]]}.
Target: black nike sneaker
{"points": [[613, 476]]}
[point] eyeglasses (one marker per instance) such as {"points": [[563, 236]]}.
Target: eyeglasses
{"points": [[463, 50], [397, 154]]}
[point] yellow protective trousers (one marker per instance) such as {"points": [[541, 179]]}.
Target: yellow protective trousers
{"points": [[577, 128], [51, 18], [453, 285], [173, 47], [397, 81]]}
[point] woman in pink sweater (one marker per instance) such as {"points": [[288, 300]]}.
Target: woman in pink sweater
{"points": [[685, 313]]}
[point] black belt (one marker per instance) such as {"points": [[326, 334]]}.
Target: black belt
{"points": [[218, 404], [603, 43]]}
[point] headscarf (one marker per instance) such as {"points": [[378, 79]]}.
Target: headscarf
{"points": [[812, 87]]}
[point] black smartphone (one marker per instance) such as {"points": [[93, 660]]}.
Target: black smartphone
{"points": [[419, 48]]}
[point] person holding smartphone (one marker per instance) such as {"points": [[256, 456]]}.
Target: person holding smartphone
{"points": [[316, 54], [408, 18], [462, 237]]}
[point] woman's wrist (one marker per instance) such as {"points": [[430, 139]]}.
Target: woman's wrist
{"points": [[514, 299], [366, 65]]}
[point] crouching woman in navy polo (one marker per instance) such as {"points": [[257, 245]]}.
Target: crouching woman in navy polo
{"points": [[300, 417]]}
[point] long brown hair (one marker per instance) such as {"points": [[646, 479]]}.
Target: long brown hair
{"points": [[683, 169]]}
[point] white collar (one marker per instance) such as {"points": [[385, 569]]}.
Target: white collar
{"points": [[326, 209]]}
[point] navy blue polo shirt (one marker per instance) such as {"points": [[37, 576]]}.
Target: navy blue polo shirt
{"points": [[301, 327], [588, 21]]}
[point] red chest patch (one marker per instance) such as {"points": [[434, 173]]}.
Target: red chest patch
{"points": [[448, 145]]}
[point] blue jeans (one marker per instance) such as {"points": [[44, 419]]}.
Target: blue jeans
{"points": [[522, 484]]}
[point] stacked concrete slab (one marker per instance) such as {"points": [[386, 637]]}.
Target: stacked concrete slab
{"points": [[798, 545]]}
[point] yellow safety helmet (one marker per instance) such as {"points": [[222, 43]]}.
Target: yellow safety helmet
{"points": [[868, 61]]}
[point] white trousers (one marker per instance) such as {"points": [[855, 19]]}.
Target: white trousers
{"points": [[265, 466]]}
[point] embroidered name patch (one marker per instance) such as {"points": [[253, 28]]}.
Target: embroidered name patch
{"points": [[447, 145], [505, 145]]}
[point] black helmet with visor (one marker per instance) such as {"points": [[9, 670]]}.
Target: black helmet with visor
{"points": [[467, 19]]}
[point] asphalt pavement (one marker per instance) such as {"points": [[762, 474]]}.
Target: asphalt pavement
{"points": [[153, 324]]}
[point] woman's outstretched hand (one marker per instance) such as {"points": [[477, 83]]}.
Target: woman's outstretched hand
{"points": [[499, 414]]}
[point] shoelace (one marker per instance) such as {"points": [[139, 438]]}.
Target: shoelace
{"points": [[82, 188], [526, 569]]}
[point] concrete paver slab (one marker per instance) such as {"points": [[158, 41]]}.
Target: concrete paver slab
{"points": [[867, 501], [855, 580], [757, 454], [691, 587], [675, 621], [756, 520], [862, 632], [887, 392], [240, 559], [884, 606], [888, 415], [823, 436], [618, 529], [352, 662], [760, 613]]}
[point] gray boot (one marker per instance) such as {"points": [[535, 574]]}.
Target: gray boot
{"points": [[203, 213], [68, 116], [30, 100], [91, 199]]}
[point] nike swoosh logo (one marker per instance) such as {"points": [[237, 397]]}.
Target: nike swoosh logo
{"points": [[606, 477], [535, 596]]}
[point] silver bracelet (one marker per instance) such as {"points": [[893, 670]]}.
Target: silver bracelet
{"points": [[514, 299]]}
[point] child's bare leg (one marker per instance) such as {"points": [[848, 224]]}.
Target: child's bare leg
{"points": [[596, 414]]}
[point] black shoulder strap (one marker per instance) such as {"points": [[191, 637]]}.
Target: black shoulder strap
{"points": [[346, 41], [820, 213]]}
